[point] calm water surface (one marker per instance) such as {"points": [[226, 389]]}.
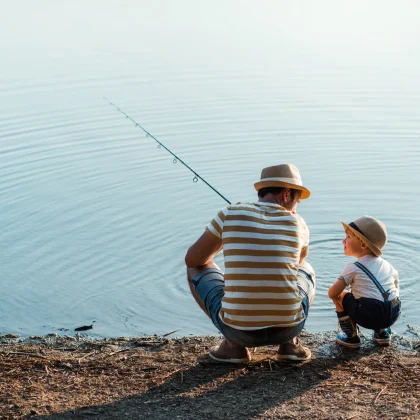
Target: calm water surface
{"points": [[96, 219]]}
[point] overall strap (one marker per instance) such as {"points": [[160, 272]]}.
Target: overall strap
{"points": [[385, 295]]}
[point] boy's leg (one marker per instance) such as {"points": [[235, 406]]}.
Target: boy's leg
{"points": [[348, 336], [338, 302], [382, 337], [374, 315]]}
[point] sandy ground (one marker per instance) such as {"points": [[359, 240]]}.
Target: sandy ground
{"points": [[162, 378]]}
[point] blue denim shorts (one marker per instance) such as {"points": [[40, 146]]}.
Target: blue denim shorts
{"points": [[209, 285]]}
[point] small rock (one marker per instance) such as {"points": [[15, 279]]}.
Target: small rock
{"points": [[67, 365], [111, 347]]}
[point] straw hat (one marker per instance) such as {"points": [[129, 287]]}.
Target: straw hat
{"points": [[371, 231], [286, 176]]}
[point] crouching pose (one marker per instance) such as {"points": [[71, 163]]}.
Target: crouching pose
{"points": [[373, 302], [263, 297]]}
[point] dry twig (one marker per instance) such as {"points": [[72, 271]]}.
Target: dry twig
{"points": [[169, 333], [24, 354], [380, 392]]}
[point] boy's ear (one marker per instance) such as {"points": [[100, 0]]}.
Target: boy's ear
{"points": [[364, 246]]}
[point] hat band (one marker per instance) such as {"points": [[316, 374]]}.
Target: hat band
{"points": [[288, 180], [354, 226]]}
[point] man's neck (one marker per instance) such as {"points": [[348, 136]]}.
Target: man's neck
{"points": [[270, 198]]}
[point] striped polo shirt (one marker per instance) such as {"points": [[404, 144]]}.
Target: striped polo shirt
{"points": [[261, 248]]}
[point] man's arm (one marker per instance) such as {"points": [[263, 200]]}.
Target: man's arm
{"points": [[305, 236], [303, 254], [203, 250]]}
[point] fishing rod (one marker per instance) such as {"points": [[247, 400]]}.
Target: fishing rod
{"points": [[176, 158]]}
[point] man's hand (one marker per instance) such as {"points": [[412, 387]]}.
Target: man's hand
{"points": [[203, 250]]}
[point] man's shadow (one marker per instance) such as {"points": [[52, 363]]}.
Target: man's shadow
{"points": [[209, 390]]}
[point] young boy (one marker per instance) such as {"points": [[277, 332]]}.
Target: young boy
{"points": [[373, 302]]}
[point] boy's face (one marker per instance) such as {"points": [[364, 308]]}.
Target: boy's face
{"points": [[352, 245]]}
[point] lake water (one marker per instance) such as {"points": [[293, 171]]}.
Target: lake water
{"points": [[96, 220]]}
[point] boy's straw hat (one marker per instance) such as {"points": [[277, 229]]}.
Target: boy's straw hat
{"points": [[371, 231], [285, 175]]}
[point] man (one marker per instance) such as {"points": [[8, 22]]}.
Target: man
{"points": [[264, 295]]}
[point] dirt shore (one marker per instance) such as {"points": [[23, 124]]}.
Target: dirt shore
{"points": [[160, 378]]}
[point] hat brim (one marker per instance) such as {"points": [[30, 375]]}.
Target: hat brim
{"points": [[371, 246], [266, 184]]}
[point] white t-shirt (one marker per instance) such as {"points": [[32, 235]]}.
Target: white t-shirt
{"points": [[361, 284]]}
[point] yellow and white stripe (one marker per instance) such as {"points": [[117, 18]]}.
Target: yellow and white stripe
{"points": [[261, 247]]}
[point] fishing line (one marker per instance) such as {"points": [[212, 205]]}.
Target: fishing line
{"points": [[176, 158]]}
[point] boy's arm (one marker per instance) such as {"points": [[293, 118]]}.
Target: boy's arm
{"points": [[396, 279], [335, 290]]}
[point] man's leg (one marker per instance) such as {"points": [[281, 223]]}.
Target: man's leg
{"points": [[228, 351], [306, 280], [191, 273]]}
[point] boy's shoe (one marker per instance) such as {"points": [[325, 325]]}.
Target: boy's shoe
{"points": [[347, 341], [382, 337], [349, 335], [226, 354], [293, 350]]}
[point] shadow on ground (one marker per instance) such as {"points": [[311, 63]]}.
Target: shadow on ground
{"points": [[210, 390]]}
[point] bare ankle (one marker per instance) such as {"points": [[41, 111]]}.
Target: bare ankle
{"points": [[294, 341], [231, 344]]}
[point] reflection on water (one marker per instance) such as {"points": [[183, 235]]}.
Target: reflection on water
{"points": [[96, 219]]}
